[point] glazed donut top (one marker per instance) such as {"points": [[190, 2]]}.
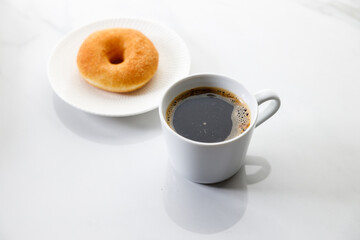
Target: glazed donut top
{"points": [[117, 59]]}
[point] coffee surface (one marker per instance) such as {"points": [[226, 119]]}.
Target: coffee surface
{"points": [[208, 114]]}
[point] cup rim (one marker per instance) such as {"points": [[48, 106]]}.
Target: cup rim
{"points": [[164, 123]]}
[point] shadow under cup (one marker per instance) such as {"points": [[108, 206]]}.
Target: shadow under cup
{"points": [[207, 162]]}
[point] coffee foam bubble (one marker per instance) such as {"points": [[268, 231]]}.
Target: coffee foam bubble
{"points": [[241, 120]]}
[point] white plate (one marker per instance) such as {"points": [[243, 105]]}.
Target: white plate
{"points": [[65, 79]]}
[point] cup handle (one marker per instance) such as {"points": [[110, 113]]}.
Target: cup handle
{"points": [[265, 113]]}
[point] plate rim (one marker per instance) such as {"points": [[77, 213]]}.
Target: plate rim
{"points": [[104, 20]]}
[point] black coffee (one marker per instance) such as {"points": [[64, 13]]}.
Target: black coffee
{"points": [[207, 114]]}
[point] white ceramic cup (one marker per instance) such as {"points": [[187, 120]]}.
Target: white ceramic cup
{"points": [[213, 162]]}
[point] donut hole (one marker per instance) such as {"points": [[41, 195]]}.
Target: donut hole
{"points": [[116, 59], [115, 54]]}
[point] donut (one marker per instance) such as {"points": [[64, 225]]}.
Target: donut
{"points": [[117, 59]]}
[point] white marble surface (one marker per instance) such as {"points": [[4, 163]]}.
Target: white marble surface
{"points": [[65, 174]]}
